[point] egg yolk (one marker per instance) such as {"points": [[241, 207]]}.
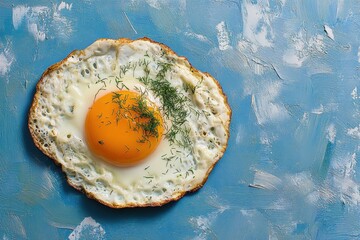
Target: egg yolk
{"points": [[123, 128]]}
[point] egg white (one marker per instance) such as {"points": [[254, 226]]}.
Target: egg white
{"points": [[65, 94]]}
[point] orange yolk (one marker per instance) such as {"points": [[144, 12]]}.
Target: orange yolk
{"points": [[122, 128]]}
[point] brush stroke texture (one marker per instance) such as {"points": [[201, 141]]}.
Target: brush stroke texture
{"points": [[290, 70]]}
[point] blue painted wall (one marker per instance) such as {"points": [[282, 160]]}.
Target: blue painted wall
{"points": [[291, 72]]}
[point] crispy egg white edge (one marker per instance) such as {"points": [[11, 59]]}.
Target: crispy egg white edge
{"points": [[97, 178]]}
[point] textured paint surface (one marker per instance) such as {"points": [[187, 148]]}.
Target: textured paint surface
{"points": [[291, 71]]}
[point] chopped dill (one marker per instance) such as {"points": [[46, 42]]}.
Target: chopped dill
{"points": [[135, 64], [116, 98], [151, 177], [164, 67], [124, 69], [120, 84], [98, 91], [188, 172], [173, 102], [151, 123], [102, 81], [188, 86], [140, 113]]}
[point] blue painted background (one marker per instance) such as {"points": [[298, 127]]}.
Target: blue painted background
{"points": [[291, 72]]}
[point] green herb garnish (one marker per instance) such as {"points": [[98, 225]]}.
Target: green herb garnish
{"points": [[173, 102], [139, 113]]}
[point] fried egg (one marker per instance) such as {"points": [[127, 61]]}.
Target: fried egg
{"points": [[131, 123]]}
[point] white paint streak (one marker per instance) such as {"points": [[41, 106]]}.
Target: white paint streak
{"points": [[295, 55], [244, 45], [264, 105], [182, 6], [340, 185], [354, 132], [88, 227], [223, 36], [61, 225], [265, 180], [199, 37], [154, 4], [265, 139], [37, 33], [302, 48], [305, 119], [247, 212], [48, 181], [319, 68], [329, 107], [316, 44], [33, 17], [64, 5], [42, 20], [350, 166], [329, 32], [6, 59], [319, 110], [203, 224], [293, 58], [272, 233], [89, 2], [331, 133], [354, 94], [339, 9], [214, 201], [38, 10], [18, 226], [128, 20], [256, 22], [239, 135], [18, 15], [283, 2], [280, 204], [62, 25], [259, 68], [349, 190], [320, 195], [301, 182]]}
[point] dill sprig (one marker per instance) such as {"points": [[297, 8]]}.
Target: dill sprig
{"points": [[173, 103], [124, 69], [120, 83], [145, 79], [164, 68], [147, 121], [140, 113], [121, 111]]}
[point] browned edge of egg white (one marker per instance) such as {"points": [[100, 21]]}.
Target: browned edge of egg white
{"points": [[122, 41]]}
